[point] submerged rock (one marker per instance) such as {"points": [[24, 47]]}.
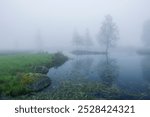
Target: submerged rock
{"points": [[35, 81]]}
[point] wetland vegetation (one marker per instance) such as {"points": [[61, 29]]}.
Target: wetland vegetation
{"points": [[97, 77], [18, 71], [105, 56]]}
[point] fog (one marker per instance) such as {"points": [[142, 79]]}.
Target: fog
{"points": [[21, 21]]}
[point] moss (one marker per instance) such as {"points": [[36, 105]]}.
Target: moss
{"points": [[29, 78], [34, 81], [13, 66]]}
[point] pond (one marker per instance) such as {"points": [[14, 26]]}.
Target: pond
{"points": [[116, 76]]}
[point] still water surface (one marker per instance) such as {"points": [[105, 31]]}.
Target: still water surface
{"points": [[128, 72]]}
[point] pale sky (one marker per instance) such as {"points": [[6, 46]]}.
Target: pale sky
{"points": [[56, 19]]}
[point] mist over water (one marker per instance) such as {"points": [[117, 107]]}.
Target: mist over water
{"points": [[105, 45], [129, 74], [21, 21]]}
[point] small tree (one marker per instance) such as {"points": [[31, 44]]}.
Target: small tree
{"points": [[88, 40], [77, 39], [146, 33], [108, 33], [39, 41]]}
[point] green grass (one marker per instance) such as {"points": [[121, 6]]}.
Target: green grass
{"points": [[11, 66], [14, 74]]}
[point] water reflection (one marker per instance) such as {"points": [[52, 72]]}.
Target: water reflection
{"points": [[146, 74], [122, 77], [81, 68], [108, 70], [144, 88], [146, 68], [93, 68]]}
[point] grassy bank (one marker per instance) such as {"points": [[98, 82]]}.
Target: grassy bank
{"points": [[13, 65]]}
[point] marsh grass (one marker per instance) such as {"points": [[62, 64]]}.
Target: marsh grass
{"points": [[11, 67], [83, 89]]}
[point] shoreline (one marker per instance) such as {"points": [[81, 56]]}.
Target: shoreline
{"points": [[23, 73]]}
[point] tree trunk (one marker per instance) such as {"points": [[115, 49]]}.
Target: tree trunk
{"points": [[107, 58], [107, 47]]}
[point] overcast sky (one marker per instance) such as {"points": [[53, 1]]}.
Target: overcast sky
{"points": [[20, 20]]}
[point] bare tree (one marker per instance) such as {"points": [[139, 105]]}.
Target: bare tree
{"points": [[39, 41], [146, 33], [88, 40], [108, 33], [77, 39]]}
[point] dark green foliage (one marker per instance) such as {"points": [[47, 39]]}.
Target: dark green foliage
{"points": [[58, 59]]}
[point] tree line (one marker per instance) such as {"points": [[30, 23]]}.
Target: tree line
{"points": [[108, 35]]}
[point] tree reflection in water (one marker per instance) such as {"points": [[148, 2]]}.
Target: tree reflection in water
{"points": [[146, 68], [81, 69], [146, 75], [108, 71]]}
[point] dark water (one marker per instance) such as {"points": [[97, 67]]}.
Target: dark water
{"points": [[128, 72]]}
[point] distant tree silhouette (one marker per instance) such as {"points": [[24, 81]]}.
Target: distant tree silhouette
{"points": [[108, 33], [77, 39], [87, 39], [39, 41], [146, 33]]}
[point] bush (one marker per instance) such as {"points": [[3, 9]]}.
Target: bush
{"points": [[58, 59]]}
